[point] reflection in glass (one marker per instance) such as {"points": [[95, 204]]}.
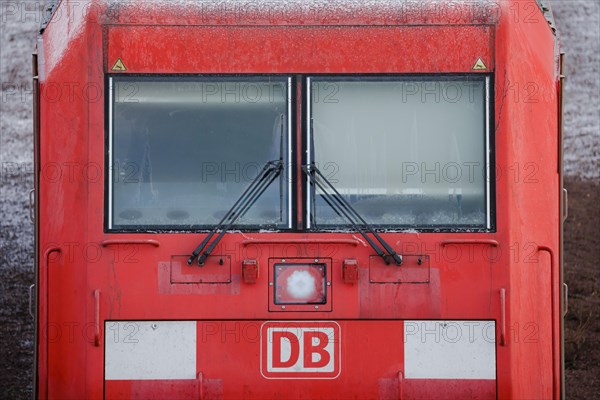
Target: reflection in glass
{"points": [[405, 152], [184, 149]]}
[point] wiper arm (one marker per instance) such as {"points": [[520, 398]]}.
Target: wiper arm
{"points": [[281, 176], [252, 193], [343, 208]]}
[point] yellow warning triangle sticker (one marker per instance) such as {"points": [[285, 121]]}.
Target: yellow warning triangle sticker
{"points": [[119, 66], [479, 65]]}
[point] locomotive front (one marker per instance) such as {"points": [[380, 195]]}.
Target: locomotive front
{"points": [[298, 200]]}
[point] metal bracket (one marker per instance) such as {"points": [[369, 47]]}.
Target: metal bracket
{"points": [[503, 317], [565, 204], [565, 298], [400, 385], [32, 206], [97, 317], [31, 287]]}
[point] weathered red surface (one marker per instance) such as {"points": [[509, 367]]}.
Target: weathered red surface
{"points": [[134, 279]]}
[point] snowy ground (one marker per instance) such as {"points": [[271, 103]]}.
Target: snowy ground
{"points": [[578, 23], [579, 28]]}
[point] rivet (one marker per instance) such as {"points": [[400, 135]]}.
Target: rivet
{"points": [[154, 326]]}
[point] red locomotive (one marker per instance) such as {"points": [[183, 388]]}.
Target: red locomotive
{"points": [[298, 200]]}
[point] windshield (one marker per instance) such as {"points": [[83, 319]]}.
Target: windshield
{"points": [[406, 152], [182, 150]]}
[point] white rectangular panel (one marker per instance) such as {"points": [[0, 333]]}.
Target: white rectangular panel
{"points": [[139, 350], [450, 349]]}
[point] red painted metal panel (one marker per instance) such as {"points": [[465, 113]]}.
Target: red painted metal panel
{"points": [[527, 143], [157, 389], [372, 355], [216, 269], [151, 49], [440, 389]]}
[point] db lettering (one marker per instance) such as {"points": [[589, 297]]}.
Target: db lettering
{"points": [[297, 350]]}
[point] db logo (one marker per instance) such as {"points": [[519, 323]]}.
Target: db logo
{"points": [[300, 350]]}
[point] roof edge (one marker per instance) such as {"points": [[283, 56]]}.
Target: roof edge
{"points": [[50, 7], [548, 14]]}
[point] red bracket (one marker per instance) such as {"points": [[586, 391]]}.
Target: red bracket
{"points": [[249, 271], [350, 271], [97, 317]]}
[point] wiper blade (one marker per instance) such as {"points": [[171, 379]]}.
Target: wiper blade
{"points": [[281, 176], [343, 208], [252, 193]]}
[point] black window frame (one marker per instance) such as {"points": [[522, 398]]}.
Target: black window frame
{"points": [[291, 203], [298, 85], [489, 151]]}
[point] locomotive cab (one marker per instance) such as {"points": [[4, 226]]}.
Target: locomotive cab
{"points": [[299, 200]]}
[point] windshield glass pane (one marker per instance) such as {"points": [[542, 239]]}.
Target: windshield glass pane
{"points": [[182, 150], [405, 152]]}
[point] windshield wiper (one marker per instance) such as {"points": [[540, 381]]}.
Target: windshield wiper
{"points": [[281, 176], [257, 187], [343, 208]]}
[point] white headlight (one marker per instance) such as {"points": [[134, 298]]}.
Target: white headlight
{"points": [[301, 285]]}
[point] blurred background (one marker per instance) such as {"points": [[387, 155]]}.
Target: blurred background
{"points": [[578, 23]]}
